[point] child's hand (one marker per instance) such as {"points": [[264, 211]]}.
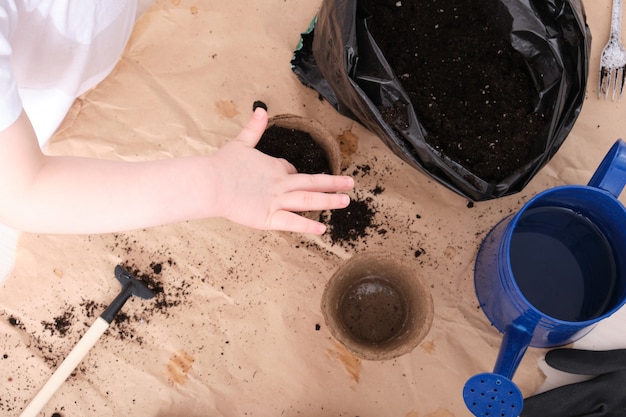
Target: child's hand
{"points": [[263, 192]]}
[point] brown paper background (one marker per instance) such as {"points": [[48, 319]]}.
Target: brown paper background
{"points": [[242, 339]]}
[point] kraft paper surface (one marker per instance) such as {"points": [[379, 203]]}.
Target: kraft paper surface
{"points": [[236, 329]]}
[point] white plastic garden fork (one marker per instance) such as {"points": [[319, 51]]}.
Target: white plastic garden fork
{"points": [[613, 59]]}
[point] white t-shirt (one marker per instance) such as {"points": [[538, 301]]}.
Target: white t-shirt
{"points": [[52, 51]]}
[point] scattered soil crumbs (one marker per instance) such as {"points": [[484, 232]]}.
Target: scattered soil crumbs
{"points": [[163, 300], [467, 84], [364, 217], [16, 323], [166, 297], [257, 104], [297, 147], [122, 327], [61, 324], [353, 222], [171, 291]]}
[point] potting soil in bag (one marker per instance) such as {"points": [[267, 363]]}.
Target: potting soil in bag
{"points": [[478, 95]]}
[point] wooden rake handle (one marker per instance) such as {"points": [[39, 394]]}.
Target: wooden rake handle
{"points": [[66, 368]]}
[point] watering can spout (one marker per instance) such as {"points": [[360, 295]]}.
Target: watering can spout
{"points": [[515, 342], [495, 393]]}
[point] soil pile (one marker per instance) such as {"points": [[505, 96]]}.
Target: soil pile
{"points": [[295, 146], [468, 86]]}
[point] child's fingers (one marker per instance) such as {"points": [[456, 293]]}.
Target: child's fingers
{"points": [[292, 222], [252, 132], [288, 166], [299, 201], [319, 183]]}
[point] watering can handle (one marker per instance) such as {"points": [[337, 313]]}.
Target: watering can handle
{"points": [[514, 344], [611, 174]]}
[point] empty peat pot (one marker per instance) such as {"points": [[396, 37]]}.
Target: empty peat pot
{"points": [[376, 305]]}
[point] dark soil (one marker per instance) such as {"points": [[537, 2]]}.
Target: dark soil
{"points": [[297, 147], [167, 296], [352, 223], [468, 86], [346, 226], [61, 324]]}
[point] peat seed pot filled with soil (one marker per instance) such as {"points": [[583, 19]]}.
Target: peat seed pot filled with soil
{"points": [[305, 144], [480, 95], [376, 305]]}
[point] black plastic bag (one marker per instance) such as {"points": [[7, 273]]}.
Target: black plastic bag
{"points": [[339, 58]]}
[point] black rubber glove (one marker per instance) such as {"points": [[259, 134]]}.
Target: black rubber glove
{"points": [[604, 395]]}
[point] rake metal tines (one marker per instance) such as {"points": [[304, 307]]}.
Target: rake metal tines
{"points": [[613, 58]]}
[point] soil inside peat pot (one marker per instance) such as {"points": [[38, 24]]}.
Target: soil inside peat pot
{"points": [[469, 87], [297, 147]]}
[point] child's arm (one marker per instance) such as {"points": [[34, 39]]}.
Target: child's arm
{"points": [[65, 194]]}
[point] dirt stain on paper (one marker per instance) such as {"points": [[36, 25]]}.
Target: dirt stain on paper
{"points": [[450, 252], [441, 412], [348, 145], [178, 367], [351, 363], [226, 108], [428, 346]]}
